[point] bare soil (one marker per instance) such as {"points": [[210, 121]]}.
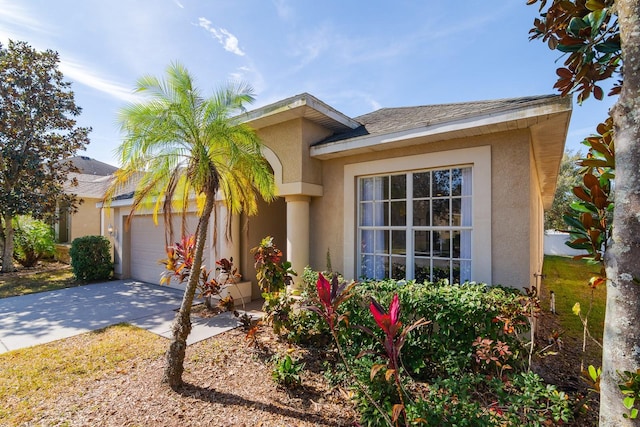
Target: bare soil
{"points": [[227, 383]]}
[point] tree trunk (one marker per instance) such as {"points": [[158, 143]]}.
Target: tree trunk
{"points": [[7, 253], [621, 340], [182, 324]]}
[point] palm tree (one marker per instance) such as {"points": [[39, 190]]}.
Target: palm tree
{"points": [[184, 148]]}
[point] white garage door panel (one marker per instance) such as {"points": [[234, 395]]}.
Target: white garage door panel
{"points": [[147, 247]]}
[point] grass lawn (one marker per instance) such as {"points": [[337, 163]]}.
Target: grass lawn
{"points": [[569, 280], [34, 376], [47, 277]]}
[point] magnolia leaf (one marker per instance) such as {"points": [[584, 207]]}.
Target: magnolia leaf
{"points": [[375, 369], [590, 181], [593, 373], [628, 402], [397, 410], [594, 5], [389, 374], [576, 309], [581, 194]]}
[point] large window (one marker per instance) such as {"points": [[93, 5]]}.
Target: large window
{"points": [[416, 225]]}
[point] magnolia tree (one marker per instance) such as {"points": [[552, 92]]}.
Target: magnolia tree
{"points": [[37, 133]]}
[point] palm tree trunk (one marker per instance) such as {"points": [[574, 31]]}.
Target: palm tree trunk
{"points": [[621, 340], [7, 253], [182, 324]]}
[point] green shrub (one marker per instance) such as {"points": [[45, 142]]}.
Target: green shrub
{"points": [[91, 258], [286, 371], [459, 314], [33, 240]]}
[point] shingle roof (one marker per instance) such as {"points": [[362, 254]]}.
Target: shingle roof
{"points": [[90, 166], [387, 120], [90, 186]]}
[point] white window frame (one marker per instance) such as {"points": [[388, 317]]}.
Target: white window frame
{"points": [[479, 158]]}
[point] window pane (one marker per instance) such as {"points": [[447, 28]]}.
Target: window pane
{"points": [[441, 183], [455, 272], [399, 213], [465, 271], [382, 267], [456, 244], [366, 214], [422, 270], [466, 181], [382, 241], [381, 213], [421, 213], [366, 189], [465, 209], [366, 241], [399, 242], [421, 184], [456, 182], [442, 244], [422, 243], [465, 244], [398, 268], [366, 267], [456, 213], [399, 187], [381, 190], [440, 269], [441, 212]]}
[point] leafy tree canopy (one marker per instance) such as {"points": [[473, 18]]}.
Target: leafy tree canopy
{"points": [[37, 133]]}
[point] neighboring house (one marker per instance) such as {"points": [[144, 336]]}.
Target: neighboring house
{"points": [[451, 191], [93, 180]]}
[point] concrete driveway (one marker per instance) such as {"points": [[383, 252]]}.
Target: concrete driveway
{"points": [[49, 316]]}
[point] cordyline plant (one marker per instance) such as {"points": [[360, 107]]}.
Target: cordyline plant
{"points": [[179, 263], [394, 339], [332, 295]]}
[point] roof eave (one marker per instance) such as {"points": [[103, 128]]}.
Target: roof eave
{"points": [[299, 106]]}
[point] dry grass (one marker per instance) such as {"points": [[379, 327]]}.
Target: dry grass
{"points": [[34, 377], [47, 276]]}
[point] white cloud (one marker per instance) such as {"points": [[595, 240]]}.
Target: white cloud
{"points": [[88, 77], [226, 39], [17, 24], [180, 5]]}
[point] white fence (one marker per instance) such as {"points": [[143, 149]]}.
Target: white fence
{"points": [[554, 244]]}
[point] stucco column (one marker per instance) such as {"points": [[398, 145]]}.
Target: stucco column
{"points": [[298, 234]]}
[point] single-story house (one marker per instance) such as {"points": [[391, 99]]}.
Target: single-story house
{"points": [[92, 181], [452, 191]]}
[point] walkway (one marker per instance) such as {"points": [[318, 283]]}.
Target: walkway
{"points": [[49, 316]]}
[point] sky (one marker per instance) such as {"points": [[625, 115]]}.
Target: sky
{"points": [[356, 56]]}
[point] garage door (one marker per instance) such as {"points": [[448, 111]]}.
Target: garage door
{"points": [[148, 247]]}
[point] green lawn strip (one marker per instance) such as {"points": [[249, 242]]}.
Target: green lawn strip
{"points": [[37, 282], [569, 280], [32, 377]]}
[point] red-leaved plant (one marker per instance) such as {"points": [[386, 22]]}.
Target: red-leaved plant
{"points": [[331, 295], [394, 339], [178, 265]]}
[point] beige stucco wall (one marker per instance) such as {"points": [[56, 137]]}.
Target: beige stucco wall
{"points": [[85, 222], [290, 141], [512, 195]]}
